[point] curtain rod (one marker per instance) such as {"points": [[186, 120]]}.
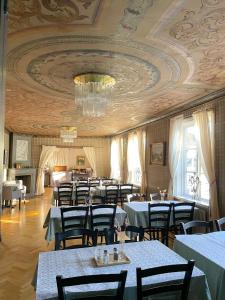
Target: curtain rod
{"points": [[215, 96]]}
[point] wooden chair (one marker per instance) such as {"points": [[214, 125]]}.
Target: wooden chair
{"points": [[86, 235], [94, 182], [204, 227], [74, 217], [83, 182], [66, 184], [155, 196], [100, 220], [220, 223], [62, 283], [159, 220], [107, 181], [182, 213], [82, 193], [111, 193], [98, 200], [65, 195], [124, 190], [167, 286], [134, 233]]}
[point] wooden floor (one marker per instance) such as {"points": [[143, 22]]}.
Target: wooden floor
{"points": [[22, 240]]}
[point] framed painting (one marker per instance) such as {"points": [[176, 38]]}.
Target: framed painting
{"points": [[157, 153], [20, 149], [80, 160]]}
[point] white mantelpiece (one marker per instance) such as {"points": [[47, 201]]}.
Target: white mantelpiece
{"points": [[28, 175]]}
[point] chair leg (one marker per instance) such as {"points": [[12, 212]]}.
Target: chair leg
{"points": [[19, 203]]}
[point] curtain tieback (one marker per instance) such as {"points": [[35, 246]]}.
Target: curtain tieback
{"points": [[212, 182]]}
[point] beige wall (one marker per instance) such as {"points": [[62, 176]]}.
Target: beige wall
{"points": [[157, 175], [101, 145]]}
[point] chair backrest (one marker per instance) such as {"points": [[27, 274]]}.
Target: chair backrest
{"points": [[98, 199], [155, 196], [159, 215], [66, 184], [167, 286], [74, 217], [86, 235], [159, 221], [83, 182], [82, 192], [102, 216], [183, 212], [111, 193], [125, 189], [135, 234], [65, 195], [198, 226], [107, 181], [220, 224], [94, 182], [62, 283]]}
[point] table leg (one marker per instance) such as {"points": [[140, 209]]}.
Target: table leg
{"points": [[19, 203]]}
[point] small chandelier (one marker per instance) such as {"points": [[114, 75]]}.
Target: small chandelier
{"points": [[93, 93], [68, 134]]}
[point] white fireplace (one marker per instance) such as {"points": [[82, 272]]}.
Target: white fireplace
{"points": [[28, 175]]}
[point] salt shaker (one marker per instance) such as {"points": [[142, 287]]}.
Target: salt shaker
{"points": [[105, 257]]}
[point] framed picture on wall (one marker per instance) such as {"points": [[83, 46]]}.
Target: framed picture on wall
{"points": [[157, 153], [80, 160]]}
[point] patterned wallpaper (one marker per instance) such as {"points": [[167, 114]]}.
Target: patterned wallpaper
{"points": [[157, 176], [101, 145]]}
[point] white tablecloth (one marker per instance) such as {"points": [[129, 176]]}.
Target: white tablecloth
{"points": [[137, 212], [79, 262], [208, 250], [53, 220]]}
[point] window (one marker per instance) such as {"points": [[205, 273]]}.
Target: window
{"points": [[115, 159], [191, 181], [133, 160]]}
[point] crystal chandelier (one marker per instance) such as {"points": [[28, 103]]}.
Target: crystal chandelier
{"points": [[68, 134], [93, 92]]}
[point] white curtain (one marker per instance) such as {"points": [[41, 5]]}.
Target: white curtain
{"points": [[59, 158], [175, 143], [204, 124], [46, 154], [116, 158], [91, 156], [141, 137], [133, 160]]}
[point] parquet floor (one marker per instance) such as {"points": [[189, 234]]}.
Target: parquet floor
{"points": [[22, 240]]}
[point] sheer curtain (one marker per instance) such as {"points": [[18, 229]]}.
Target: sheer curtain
{"points": [[133, 160], [141, 137], [175, 143], [204, 123], [116, 161], [91, 156], [59, 158], [46, 154]]}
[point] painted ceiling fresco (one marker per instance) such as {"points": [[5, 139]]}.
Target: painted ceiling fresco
{"points": [[162, 53]]}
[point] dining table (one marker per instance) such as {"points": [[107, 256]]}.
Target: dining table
{"points": [[53, 221], [137, 211], [208, 251], [80, 262]]}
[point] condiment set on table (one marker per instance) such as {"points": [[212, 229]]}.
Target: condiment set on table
{"points": [[105, 258]]}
